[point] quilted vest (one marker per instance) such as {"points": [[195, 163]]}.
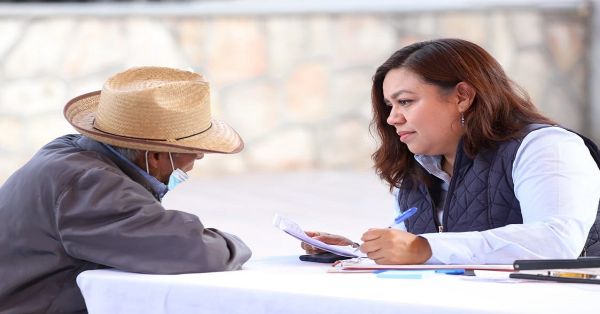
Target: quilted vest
{"points": [[480, 196]]}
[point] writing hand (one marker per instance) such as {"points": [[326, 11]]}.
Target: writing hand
{"points": [[391, 246]]}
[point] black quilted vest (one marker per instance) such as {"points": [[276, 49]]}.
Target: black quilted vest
{"points": [[480, 196]]}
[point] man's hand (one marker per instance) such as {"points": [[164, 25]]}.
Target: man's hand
{"points": [[325, 238]]}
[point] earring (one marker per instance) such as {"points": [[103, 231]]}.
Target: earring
{"points": [[462, 119]]}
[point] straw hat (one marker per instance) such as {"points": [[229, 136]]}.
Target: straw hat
{"points": [[155, 109]]}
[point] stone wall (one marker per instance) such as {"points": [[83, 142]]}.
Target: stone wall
{"points": [[296, 86]]}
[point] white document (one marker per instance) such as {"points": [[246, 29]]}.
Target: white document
{"points": [[357, 264], [295, 231]]}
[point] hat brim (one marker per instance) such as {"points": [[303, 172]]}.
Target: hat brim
{"points": [[218, 138]]}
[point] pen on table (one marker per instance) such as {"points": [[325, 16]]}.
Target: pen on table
{"points": [[416, 274], [403, 216], [569, 274]]}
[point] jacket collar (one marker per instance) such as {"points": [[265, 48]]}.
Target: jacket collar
{"points": [[137, 174]]}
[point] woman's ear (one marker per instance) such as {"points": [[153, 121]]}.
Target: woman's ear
{"points": [[466, 94]]}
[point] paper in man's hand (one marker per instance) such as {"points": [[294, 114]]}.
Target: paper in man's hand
{"points": [[295, 231]]}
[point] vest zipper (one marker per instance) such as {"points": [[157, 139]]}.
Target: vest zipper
{"points": [[436, 221], [451, 186]]}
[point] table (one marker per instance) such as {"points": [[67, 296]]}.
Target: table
{"points": [[283, 284]]}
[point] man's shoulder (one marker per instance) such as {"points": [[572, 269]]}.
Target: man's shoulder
{"points": [[65, 158]]}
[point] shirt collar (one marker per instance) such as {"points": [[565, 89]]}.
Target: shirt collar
{"points": [[158, 188], [433, 165]]}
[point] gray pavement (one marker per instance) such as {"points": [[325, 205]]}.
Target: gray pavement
{"points": [[341, 202]]}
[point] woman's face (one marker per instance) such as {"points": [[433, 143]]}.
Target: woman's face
{"points": [[426, 118]]}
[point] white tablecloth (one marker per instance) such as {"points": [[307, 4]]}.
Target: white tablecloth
{"points": [[287, 285]]}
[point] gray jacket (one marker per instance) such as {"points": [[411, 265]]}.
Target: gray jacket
{"points": [[76, 206]]}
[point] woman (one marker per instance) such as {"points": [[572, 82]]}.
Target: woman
{"points": [[492, 178]]}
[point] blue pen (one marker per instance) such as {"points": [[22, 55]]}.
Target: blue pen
{"points": [[405, 215]]}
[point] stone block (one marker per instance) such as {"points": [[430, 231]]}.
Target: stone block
{"points": [[417, 25], [151, 42], [347, 144], [42, 48], [288, 44], [13, 132], [41, 129], [252, 109], [88, 84], [527, 25], [319, 41], [236, 51], [351, 90], [192, 36], [466, 25], [500, 42], [566, 42], [11, 30], [307, 91], [561, 106], [10, 164], [285, 150], [531, 71], [361, 40], [97, 44], [31, 97]]}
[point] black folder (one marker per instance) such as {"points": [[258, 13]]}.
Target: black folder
{"points": [[580, 270], [533, 264]]}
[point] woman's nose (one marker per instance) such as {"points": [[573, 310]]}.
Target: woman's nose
{"points": [[395, 117]]}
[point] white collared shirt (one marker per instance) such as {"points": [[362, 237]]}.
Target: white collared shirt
{"points": [[557, 184]]}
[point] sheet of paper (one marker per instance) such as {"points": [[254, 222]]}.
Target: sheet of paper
{"points": [[369, 264], [293, 229]]}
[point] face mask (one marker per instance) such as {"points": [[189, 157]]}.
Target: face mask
{"points": [[176, 177]]}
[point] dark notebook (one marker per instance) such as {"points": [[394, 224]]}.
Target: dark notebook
{"points": [[581, 270]]}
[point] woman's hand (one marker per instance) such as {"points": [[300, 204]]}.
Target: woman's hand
{"points": [[325, 238], [392, 246]]}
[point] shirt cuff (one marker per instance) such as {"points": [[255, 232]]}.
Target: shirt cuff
{"points": [[436, 249], [450, 248]]}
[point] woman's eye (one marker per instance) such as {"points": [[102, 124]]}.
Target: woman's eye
{"points": [[401, 102]]}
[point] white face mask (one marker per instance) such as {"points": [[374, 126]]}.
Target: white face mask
{"points": [[176, 177]]}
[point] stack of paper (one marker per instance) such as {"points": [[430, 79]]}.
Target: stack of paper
{"points": [[293, 229], [365, 264]]}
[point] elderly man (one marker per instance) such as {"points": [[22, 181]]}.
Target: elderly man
{"points": [[93, 200]]}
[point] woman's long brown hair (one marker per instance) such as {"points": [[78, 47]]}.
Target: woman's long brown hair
{"points": [[500, 109]]}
